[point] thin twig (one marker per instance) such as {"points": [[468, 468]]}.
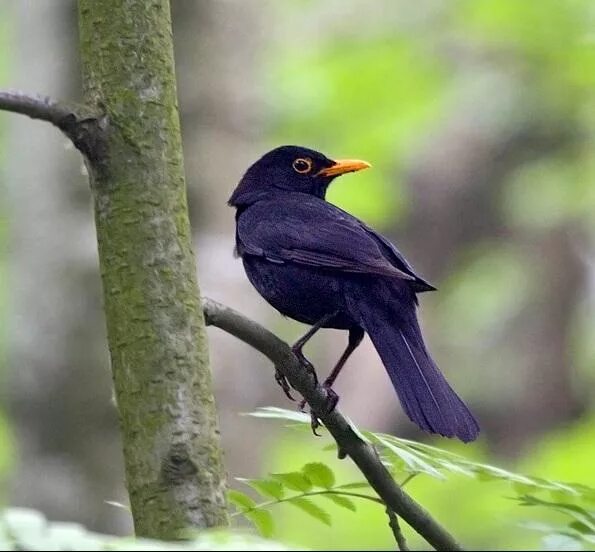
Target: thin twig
{"points": [[347, 440], [408, 478], [80, 124], [36, 107], [306, 495], [393, 523]]}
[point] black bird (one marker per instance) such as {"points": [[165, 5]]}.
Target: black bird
{"points": [[319, 265]]}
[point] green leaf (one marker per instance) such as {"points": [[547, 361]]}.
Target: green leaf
{"points": [[341, 500], [455, 467], [580, 527], [296, 481], [312, 509], [486, 473], [280, 414], [522, 488], [263, 521], [414, 461], [241, 500], [410, 456], [576, 512], [354, 485], [319, 474], [268, 488]]}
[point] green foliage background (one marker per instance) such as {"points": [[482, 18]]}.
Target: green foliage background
{"points": [[379, 96]]}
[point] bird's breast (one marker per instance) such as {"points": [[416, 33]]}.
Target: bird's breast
{"points": [[303, 293]]}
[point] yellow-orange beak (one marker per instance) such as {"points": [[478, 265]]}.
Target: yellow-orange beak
{"points": [[343, 166]]}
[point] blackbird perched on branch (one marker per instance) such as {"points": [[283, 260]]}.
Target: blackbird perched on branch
{"points": [[319, 265]]}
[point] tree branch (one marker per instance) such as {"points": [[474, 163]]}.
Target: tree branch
{"points": [[36, 107], [83, 127], [364, 455]]}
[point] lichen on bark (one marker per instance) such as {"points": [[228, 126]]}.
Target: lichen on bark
{"points": [[156, 329]]}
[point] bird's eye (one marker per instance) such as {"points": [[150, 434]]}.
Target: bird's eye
{"points": [[302, 165]]}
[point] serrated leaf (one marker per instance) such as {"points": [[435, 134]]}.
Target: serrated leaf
{"points": [[579, 514], [341, 500], [269, 488], [486, 472], [263, 521], [241, 500], [319, 474], [312, 509], [413, 461], [296, 481], [455, 467], [413, 457]]}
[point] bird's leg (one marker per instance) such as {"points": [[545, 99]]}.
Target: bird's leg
{"points": [[355, 338], [299, 344], [297, 351]]}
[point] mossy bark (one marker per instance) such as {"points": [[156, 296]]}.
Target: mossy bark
{"points": [[156, 329]]}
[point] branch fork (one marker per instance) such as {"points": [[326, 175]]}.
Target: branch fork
{"points": [[84, 128]]}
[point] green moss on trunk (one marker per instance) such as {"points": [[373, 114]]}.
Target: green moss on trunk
{"points": [[155, 324]]}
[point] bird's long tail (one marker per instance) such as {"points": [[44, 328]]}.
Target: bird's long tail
{"points": [[389, 318]]}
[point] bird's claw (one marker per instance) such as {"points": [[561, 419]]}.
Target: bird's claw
{"points": [[331, 397], [284, 384], [331, 403], [314, 423]]}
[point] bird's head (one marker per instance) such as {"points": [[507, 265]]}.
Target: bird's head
{"points": [[291, 168]]}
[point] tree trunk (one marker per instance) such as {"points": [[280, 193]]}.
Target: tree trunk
{"points": [[155, 324]]}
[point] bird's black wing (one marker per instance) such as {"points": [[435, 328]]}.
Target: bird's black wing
{"points": [[312, 232], [398, 260]]}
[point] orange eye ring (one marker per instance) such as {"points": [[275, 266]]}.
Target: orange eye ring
{"points": [[302, 165]]}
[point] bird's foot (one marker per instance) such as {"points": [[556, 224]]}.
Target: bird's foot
{"points": [[314, 423], [331, 397], [284, 384], [331, 403]]}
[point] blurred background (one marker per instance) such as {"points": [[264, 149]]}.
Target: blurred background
{"points": [[478, 117]]}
